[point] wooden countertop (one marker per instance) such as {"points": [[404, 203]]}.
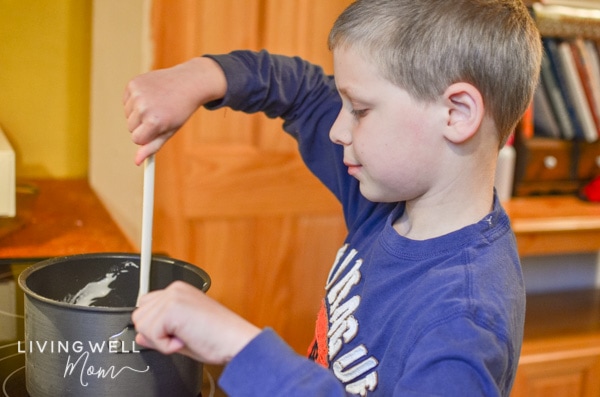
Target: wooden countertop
{"points": [[65, 217], [59, 217], [554, 224]]}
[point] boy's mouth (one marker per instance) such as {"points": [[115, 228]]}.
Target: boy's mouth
{"points": [[352, 168]]}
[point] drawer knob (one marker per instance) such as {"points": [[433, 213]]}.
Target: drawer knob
{"points": [[550, 162]]}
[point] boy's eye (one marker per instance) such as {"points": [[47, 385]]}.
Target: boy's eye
{"points": [[358, 113]]}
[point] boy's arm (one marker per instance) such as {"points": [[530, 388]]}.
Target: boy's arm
{"points": [[182, 319], [158, 103], [279, 86], [462, 357], [267, 366], [441, 364], [307, 100]]}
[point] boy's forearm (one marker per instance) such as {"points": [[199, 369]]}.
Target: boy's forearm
{"points": [[277, 85], [206, 78]]}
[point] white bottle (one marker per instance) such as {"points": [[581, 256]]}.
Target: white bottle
{"points": [[505, 171]]}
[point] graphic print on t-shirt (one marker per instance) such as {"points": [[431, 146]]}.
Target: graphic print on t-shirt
{"points": [[337, 327]]}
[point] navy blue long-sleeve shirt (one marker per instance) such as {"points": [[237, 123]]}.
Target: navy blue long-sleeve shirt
{"points": [[400, 317]]}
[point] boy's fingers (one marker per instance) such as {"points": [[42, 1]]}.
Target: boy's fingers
{"points": [[133, 121], [150, 148]]}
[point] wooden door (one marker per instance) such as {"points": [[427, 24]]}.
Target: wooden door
{"points": [[232, 195]]}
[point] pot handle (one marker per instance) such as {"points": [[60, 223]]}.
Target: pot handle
{"points": [[124, 341]]}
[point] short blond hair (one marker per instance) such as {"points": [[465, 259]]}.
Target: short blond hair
{"points": [[424, 46]]}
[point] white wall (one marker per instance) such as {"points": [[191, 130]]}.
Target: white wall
{"points": [[561, 272], [121, 49]]}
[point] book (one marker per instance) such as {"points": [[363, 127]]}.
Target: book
{"points": [[594, 63], [588, 82], [544, 119], [555, 93], [576, 93], [560, 72]]}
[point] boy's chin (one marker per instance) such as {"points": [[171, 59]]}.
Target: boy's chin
{"points": [[373, 195]]}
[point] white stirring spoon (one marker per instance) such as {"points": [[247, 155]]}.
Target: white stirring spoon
{"points": [[147, 214]]}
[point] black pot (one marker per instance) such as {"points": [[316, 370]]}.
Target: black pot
{"points": [[73, 350]]}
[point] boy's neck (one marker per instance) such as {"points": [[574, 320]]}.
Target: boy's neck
{"points": [[462, 202], [461, 191], [425, 222]]}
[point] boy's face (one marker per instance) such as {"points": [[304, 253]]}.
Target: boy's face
{"points": [[391, 141]]}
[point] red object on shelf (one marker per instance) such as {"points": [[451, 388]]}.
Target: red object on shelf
{"points": [[591, 191]]}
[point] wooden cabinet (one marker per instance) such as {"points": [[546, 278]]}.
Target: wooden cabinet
{"points": [[561, 349], [572, 370], [561, 346]]}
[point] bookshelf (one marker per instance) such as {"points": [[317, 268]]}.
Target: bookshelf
{"points": [[553, 164], [561, 347], [557, 144]]}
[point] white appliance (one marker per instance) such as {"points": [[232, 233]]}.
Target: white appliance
{"points": [[8, 205]]}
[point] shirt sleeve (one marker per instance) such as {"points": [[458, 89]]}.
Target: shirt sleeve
{"points": [[460, 357], [307, 100], [269, 367]]}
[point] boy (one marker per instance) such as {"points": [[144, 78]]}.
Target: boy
{"points": [[426, 296]]}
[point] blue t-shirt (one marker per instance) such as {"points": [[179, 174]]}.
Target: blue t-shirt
{"points": [[400, 317]]}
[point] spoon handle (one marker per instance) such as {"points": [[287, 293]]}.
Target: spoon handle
{"points": [[147, 214]]}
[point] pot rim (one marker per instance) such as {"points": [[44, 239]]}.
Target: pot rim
{"points": [[22, 280]]}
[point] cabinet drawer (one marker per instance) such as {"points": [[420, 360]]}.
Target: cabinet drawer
{"points": [[588, 164], [545, 160], [545, 166]]}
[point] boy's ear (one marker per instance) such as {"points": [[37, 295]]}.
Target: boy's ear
{"points": [[465, 111]]}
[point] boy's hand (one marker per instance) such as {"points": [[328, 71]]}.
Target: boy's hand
{"points": [[158, 103], [182, 319]]}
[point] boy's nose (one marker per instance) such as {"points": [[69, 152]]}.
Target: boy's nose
{"points": [[340, 130]]}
